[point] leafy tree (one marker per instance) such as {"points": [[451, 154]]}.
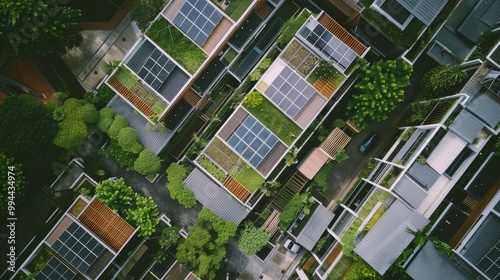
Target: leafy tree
{"points": [[253, 99], [307, 202], [144, 12], [437, 80], [32, 28], [320, 178], [74, 116], [102, 97], [27, 130], [341, 156], [117, 195], [252, 239], [12, 184], [325, 70], [123, 158], [269, 187], [340, 123], [289, 29], [290, 212], [87, 113], [291, 156], [118, 123], [204, 249], [361, 270], [144, 214], [105, 119], [71, 133], [321, 133], [127, 139], [176, 174], [57, 99], [257, 74], [147, 163], [197, 145], [169, 236], [381, 87]]}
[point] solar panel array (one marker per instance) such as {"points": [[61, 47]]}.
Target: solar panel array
{"points": [[55, 269], [329, 45], [156, 69], [490, 263], [197, 18], [290, 92], [78, 247], [252, 140]]}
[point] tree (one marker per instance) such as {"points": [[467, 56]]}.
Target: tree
{"points": [[87, 113], [289, 29], [204, 249], [127, 139], [341, 156], [71, 133], [325, 70], [33, 28], [380, 88], [340, 123], [169, 236], [307, 202], [253, 99], [176, 174], [74, 115], [197, 145], [269, 187], [252, 239], [105, 119], [57, 100], [290, 212], [118, 123], [117, 195], [144, 12], [361, 270], [144, 214], [27, 130], [12, 184], [123, 158], [441, 78], [291, 156], [147, 163], [320, 178]]}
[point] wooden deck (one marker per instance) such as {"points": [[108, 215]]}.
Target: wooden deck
{"points": [[236, 188], [272, 158], [191, 97], [272, 222], [344, 35], [310, 110], [220, 31], [326, 87], [131, 97], [293, 186], [313, 163], [336, 140], [263, 10]]}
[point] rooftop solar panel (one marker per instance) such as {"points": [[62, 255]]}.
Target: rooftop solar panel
{"points": [[327, 44], [290, 92], [156, 69], [55, 269], [78, 247], [252, 140], [197, 19]]}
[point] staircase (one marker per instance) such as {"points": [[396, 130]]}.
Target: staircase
{"points": [[236, 188], [292, 187], [131, 97]]}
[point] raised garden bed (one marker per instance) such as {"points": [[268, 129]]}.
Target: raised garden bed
{"points": [[222, 154], [299, 58], [213, 169]]}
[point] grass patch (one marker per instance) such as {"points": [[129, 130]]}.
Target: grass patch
{"points": [[126, 77], [183, 50], [77, 207], [212, 168], [221, 154], [159, 107], [337, 76], [276, 121], [230, 56], [249, 178], [236, 8]]}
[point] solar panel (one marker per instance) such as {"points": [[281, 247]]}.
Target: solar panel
{"points": [[327, 44], [290, 92], [197, 19], [156, 69], [55, 269], [252, 140], [78, 247]]}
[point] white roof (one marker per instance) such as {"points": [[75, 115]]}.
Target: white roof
{"points": [[446, 151]]}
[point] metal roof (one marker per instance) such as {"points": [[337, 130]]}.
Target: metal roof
{"points": [[494, 55], [151, 140], [215, 197], [388, 237], [429, 264], [425, 10], [456, 43], [410, 191], [487, 108], [450, 146], [423, 174], [466, 126], [482, 18], [314, 228], [438, 53], [492, 82]]}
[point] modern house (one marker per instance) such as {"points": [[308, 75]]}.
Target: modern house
{"points": [[82, 245], [254, 140]]}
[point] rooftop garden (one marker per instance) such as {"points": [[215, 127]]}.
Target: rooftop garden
{"points": [[40, 259], [275, 120], [292, 26], [235, 9], [177, 45], [77, 207], [299, 58], [326, 70]]}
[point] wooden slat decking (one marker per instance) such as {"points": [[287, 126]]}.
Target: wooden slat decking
{"points": [[110, 228], [310, 110], [313, 163], [263, 10], [344, 35], [236, 188], [352, 126], [336, 140], [326, 87], [131, 97], [191, 97], [292, 187], [272, 222]]}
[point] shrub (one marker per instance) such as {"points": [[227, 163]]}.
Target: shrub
{"points": [[123, 158], [118, 123], [105, 119], [71, 133], [127, 139], [252, 239], [290, 212], [147, 163], [176, 174], [253, 99]]}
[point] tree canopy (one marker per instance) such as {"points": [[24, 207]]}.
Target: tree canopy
{"points": [[117, 195], [204, 249], [12, 184], [290, 212], [441, 78], [105, 120], [33, 28], [118, 123], [145, 11], [127, 139], [252, 239], [176, 174], [147, 163], [27, 130], [144, 214], [381, 86]]}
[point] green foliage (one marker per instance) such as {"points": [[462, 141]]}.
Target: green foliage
{"points": [[320, 178], [325, 70], [144, 214], [291, 27], [340, 123], [269, 187], [236, 8], [257, 73], [105, 120], [439, 79], [87, 113], [204, 249], [59, 114], [212, 168], [169, 237], [12, 184], [127, 139], [57, 100], [291, 156], [197, 145], [290, 212], [484, 45], [253, 99], [118, 123], [249, 178], [123, 158], [176, 174], [144, 12], [341, 156], [147, 163], [361, 270], [71, 133], [321, 243], [101, 98], [380, 88], [497, 147], [117, 195], [27, 131], [252, 239], [34, 28]]}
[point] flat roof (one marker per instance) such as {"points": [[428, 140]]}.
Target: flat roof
{"points": [[314, 228]]}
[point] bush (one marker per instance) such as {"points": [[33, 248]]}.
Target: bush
{"points": [[340, 123], [87, 113], [105, 119], [289, 29], [290, 212], [147, 163], [127, 139], [71, 133], [118, 123], [253, 99], [252, 239], [123, 158], [176, 174]]}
